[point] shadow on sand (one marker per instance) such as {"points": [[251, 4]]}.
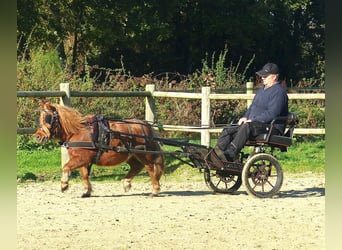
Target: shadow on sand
{"points": [[308, 192], [305, 193]]}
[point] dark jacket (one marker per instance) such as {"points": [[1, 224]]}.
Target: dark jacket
{"points": [[268, 104]]}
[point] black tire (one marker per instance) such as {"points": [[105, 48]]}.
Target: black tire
{"points": [[262, 176], [222, 181]]}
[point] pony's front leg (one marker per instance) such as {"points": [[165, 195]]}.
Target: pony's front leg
{"points": [[87, 185], [65, 178], [75, 161]]}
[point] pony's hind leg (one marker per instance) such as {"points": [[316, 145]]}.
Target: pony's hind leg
{"points": [[156, 173], [135, 168], [154, 164]]}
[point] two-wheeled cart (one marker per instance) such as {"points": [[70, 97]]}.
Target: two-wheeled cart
{"points": [[259, 171]]}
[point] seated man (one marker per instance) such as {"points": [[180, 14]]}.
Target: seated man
{"points": [[269, 102]]}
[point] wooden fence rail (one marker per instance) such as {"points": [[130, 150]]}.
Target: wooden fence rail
{"points": [[150, 94]]}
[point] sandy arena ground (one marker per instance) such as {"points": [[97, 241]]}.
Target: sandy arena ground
{"points": [[186, 216]]}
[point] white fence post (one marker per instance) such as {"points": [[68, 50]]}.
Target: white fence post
{"points": [[65, 100], [249, 86], [150, 106], [205, 116]]}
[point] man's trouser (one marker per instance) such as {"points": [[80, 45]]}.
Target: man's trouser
{"points": [[233, 137]]}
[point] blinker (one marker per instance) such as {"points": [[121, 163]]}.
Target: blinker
{"points": [[48, 119]]}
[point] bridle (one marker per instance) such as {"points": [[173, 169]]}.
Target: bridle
{"points": [[53, 121]]}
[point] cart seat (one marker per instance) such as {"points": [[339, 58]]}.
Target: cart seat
{"points": [[274, 140]]}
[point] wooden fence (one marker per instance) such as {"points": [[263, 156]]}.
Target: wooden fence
{"points": [[150, 94]]}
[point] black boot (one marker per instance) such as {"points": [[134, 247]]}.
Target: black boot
{"points": [[220, 153], [216, 157], [230, 153]]}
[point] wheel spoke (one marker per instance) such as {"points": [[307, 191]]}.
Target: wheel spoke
{"points": [[222, 181], [270, 183], [218, 183]]}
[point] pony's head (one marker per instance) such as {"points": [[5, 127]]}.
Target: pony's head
{"points": [[48, 122], [57, 122]]}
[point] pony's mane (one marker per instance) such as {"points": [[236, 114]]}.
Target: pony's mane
{"points": [[72, 121]]}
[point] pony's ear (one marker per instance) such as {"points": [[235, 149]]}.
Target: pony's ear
{"points": [[43, 102], [45, 105]]}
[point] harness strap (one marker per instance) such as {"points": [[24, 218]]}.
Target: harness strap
{"points": [[131, 137], [72, 144], [143, 133], [100, 147], [101, 134], [102, 137]]}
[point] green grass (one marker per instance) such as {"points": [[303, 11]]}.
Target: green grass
{"points": [[39, 164], [304, 157], [42, 165]]}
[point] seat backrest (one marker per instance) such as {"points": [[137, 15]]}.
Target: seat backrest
{"points": [[281, 141], [292, 121]]}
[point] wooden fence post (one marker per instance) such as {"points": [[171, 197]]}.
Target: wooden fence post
{"points": [[65, 100], [249, 87], [150, 105], [205, 116]]}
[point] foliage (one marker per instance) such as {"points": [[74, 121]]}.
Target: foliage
{"points": [[310, 112], [66, 41], [43, 71], [163, 36]]}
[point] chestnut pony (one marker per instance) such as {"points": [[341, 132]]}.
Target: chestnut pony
{"points": [[80, 134]]}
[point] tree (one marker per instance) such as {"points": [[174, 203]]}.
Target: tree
{"points": [[161, 36]]}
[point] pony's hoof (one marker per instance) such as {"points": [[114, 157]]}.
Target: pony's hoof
{"points": [[154, 195], [85, 195], [126, 185], [64, 187]]}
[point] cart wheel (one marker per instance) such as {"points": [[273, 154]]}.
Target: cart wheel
{"points": [[262, 175], [222, 181]]}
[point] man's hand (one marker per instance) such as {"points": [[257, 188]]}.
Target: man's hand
{"points": [[243, 120]]}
